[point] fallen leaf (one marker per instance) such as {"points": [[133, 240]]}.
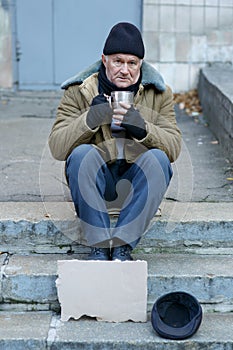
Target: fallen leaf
{"points": [[189, 101], [230, 178]]}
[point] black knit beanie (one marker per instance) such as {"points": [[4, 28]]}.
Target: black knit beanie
{"points": [[124, 38]]}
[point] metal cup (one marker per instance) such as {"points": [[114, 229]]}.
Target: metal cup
{"points": [[121, 96]]}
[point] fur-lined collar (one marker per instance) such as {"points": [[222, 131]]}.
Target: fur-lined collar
{"points": [[150, 76]]}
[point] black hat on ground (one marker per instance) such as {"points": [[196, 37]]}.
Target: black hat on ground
{"points": [[176, 315], [125, 38]]}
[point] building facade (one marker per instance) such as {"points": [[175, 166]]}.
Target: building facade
{"points": [[44, 42], [182, 36]]}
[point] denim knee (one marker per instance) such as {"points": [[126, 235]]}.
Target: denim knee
{"points": [[79, 152], [163, 161], [75, 158]]}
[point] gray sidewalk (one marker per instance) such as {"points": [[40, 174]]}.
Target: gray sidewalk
{"points": [[29, 173]]}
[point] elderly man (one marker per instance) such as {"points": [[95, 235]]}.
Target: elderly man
{"points": [[116, 155]]}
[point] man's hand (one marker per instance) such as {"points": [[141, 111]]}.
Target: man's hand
{"points": [[134, 123], [100, 112]]}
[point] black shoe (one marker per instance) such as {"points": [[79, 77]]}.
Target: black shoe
{"points": [[99, 254], [122, 253]]}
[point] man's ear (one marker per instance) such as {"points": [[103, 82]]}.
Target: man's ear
{"points": [[104, 60]]}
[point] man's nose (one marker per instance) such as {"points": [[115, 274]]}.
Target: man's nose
{"points": [[124, 68]]}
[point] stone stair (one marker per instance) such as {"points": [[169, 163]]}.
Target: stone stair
{"points": [[190, 251], [52, 227], [28, 281], [43, 330]]}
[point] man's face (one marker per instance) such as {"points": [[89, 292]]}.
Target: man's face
{"points": [[122, 70]]}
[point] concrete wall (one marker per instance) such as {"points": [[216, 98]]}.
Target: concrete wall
{"points": [[182, 36], [215, 90], [5, 45]]}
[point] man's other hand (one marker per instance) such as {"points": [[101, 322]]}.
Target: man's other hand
{"points": [[100, 112]]}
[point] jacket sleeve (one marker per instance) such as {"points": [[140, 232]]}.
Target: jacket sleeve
{"points": [[70, 128], [162, 130]]}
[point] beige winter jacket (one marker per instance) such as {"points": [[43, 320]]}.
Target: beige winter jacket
{"points": [[154, 100]]}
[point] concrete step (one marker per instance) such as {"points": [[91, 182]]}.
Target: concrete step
{"points": [[49, 227], [44, 331], [28, 281]]}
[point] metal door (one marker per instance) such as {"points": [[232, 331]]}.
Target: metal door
{"points": [[58, 38]]}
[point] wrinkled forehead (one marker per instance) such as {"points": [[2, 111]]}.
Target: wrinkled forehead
{"points": [[123, 57]]}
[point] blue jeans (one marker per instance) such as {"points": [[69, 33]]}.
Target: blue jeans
{"points": [[138, 189]]}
